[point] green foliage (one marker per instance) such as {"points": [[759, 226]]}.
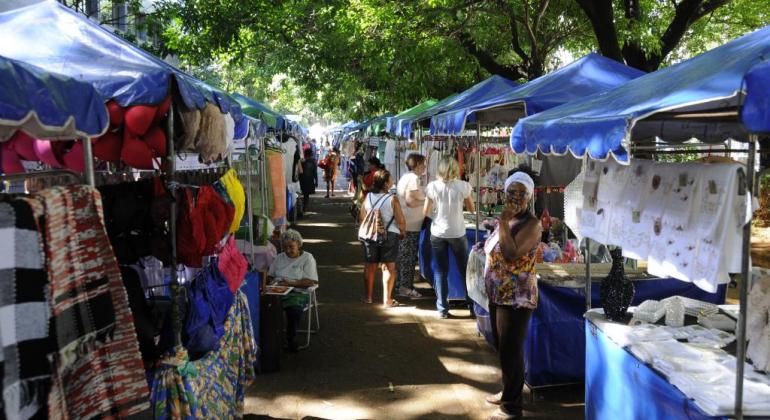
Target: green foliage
{"points": [[360, 58]]}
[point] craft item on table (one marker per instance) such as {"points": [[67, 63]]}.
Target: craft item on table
{"points": [[647, 332], [474, 276], [717, 321], [98, 370], [674, 312], [616, 290], [650, 311], [539, 251], [758, 320], [552, 254], [26, 376]]}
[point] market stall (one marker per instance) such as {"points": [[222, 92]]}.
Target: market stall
{"points": [[142, 210], [492, 108], [688, 220]]}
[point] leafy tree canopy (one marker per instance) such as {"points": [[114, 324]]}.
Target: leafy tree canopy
{"points": [[360, 58]]}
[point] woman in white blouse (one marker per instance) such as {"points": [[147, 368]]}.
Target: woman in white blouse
{"points": [[444, 204], [297, 268]]}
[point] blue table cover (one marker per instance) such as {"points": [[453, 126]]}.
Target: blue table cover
{"points": [[456, 279], [619, 386], [250, 288], [555, 351]]}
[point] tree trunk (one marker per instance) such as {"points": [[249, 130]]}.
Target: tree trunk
{"points": [[600, 13]]}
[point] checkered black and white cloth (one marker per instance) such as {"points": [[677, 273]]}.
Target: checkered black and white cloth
{"points": [[24, 313]]}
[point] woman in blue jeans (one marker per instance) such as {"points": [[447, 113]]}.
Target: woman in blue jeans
{"points": [[444, 204]]}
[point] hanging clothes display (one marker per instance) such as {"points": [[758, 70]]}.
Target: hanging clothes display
{"points": [[97, 367], [25, 380], [223, 375], [278, 184]]}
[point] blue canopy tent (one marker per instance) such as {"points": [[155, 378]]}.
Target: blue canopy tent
{"points": [[584, 77], [480, 92], [57, 39], [718, 95], [47, 105], [699, 98]]}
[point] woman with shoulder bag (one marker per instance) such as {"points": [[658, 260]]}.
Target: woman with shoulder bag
{"points": [[511, 283], [390, 227]]}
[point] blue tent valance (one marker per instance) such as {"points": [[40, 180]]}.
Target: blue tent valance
{"points": [[480, 92], [701, 98], [57, 39], [587, 76], [47, 105]]}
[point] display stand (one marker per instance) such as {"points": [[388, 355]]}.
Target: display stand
{"points": [[748, 188]]}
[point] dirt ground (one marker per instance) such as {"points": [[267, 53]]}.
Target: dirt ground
{"points": [[373, 363]]}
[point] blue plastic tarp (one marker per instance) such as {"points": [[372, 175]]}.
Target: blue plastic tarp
{"points": [[584, 77], [606, 124], [57, 39], [486, 90], [47, 105]]}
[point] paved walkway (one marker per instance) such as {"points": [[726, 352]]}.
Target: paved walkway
{"points": [[374, 363]]}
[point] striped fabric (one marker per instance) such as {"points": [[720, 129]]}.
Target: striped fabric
{"points": [[25, 377], [98, 370]]}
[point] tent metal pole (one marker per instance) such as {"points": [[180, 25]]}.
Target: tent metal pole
{"points": [[745, 280], [88, 157], [249, 197], [478, 181], [176, 320], [588, 274]]}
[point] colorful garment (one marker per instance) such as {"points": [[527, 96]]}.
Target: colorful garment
{"points": [[172, 394], [223, 375], [25, 376], [512, 284], [97, 370]]}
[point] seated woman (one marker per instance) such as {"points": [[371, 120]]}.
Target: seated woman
{"points": [[297, 268]]}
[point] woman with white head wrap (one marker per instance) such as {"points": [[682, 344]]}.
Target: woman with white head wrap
{"points": [[511, 284]]}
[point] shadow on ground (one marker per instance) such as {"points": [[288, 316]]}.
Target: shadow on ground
{"points": [[368, 362]]}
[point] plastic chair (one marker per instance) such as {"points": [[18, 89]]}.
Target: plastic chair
{"points": [[312, 313]]}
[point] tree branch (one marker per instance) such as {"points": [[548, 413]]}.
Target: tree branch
{"points": [[486, 60], [600, 14]]}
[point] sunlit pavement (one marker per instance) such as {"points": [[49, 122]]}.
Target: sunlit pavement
{"points": [[368, 362]]}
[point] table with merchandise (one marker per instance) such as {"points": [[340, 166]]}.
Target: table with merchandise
{"points": [[673, 359]]}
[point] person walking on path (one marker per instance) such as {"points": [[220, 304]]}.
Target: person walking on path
{"points": [[385, 253], [330, 171], [511, 283], [446, 196], [308, 178], [411, 197]]}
